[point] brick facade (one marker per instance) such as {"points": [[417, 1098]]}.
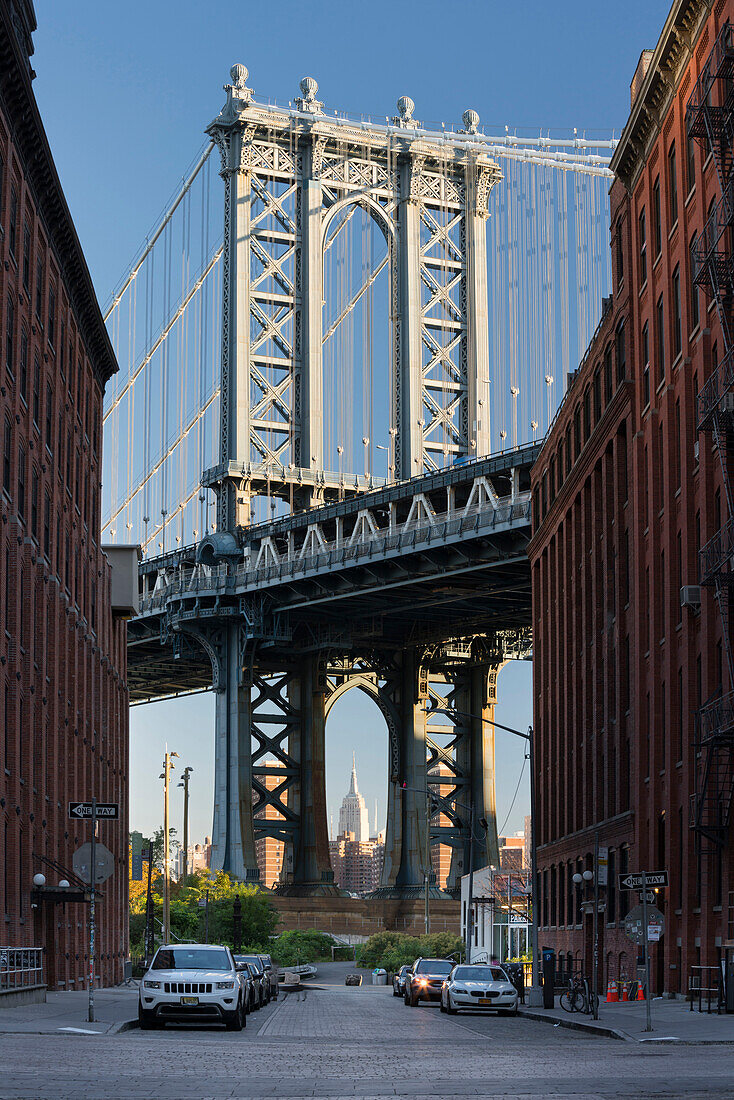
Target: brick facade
{"points": [[625, 493], [63, 696]]}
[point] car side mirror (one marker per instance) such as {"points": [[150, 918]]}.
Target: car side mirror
{"points": [[241, 967]]}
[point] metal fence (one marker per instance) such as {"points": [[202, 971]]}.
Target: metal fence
{"points": [[20, 967]]}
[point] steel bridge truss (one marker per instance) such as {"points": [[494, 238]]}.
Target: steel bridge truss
{"points": [[292, 181]]}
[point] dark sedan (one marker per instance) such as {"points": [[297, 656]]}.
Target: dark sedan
{"points": [[398, 981], [260, 979], [425, 980]]}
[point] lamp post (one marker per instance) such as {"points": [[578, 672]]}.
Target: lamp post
{"points": [[582, 880], [533, 824], [185, 784], [166, 777]]}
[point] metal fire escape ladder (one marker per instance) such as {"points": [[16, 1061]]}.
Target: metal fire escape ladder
{"points": [[710, 121]]}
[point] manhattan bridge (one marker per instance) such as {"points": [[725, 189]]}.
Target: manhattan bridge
{"points": [[337, 350]]}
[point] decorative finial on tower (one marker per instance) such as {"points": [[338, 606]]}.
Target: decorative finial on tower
{"points": [[238, 88], [406, 106], [307, 101], [470, 118]]}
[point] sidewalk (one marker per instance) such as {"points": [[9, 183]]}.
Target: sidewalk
{"points": [[672, 1021], [68, 1012]]}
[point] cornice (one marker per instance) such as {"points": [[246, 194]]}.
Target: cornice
{"points": [[667, 65], [27, 132]]}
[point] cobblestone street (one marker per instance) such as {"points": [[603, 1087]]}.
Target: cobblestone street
{"points": [[362, 1042]]}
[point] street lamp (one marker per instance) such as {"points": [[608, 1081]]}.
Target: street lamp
{"points": [[582, 879], [533, 820], [184, 782], [166, 777]]}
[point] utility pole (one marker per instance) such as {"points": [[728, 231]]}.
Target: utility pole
{"points": [[595, 978], [92, 914], [185, 784], [427, 914], [166, 777]]}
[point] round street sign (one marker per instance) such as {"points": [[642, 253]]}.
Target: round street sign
{"points": [[103, 858], [634, 927]]}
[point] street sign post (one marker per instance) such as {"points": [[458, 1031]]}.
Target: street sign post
{"points": [[104, 863], [642, 880], [108, 810]]}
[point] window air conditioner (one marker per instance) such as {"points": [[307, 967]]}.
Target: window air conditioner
{"points": [[690, 596]]}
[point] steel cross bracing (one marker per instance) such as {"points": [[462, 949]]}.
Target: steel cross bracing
{"points": [[411, 593]]}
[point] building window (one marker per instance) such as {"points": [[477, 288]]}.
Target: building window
{"points": [[39, 287], [690, 162], [21, 487], [577, 432], [49, 410], [62, 330], [34, 502], [36, 390], [672, 185], [26, 257], [13, 225], [642, 240], [587, 414], [51, 315], [608, 374], [47, 525], [677, 452], [597, 395], [7, 449], [657, 225], [694, 288], [646, 365], [620, 257], [24, 366], [660, 338], [10, 335], [677, 331], [621, 353]]}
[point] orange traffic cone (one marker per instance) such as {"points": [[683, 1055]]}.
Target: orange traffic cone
{"points": [[612, 992], [640, 992]]}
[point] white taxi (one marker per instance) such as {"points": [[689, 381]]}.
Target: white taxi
{"points": [[479, 986], [192, 981]]}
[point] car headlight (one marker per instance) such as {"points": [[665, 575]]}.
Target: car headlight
{"points": [[152, 985], [225, 985], [458, 989], [422, 981]]}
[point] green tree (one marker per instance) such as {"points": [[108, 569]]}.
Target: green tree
{"points": [[295, 947]]}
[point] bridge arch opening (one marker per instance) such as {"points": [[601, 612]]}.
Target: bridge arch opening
{"points": [[357, 733], [357, 340]]}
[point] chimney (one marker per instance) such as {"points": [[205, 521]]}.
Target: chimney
{"points": [[640, 73]]}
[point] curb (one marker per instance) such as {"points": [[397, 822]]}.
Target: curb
{"points": [[124, 1025], [574, 1025]]}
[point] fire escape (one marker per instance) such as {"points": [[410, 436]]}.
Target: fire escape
{"points": [[710, 121]]}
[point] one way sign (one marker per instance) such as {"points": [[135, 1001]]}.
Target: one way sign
{"points": [[634, 881], [110, 810]]}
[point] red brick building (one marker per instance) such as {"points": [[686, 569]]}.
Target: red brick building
{"points": [[63, 697], [626, 493]]}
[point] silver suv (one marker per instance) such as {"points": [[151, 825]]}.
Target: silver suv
{"points": [[192, 981]]}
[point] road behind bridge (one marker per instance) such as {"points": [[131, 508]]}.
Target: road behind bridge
{"points": [[344, 1042]]}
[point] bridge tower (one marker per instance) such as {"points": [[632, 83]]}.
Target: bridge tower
{"points": [[291, 176]]}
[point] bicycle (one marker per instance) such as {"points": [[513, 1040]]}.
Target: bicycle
{"points": [[578, 997]]}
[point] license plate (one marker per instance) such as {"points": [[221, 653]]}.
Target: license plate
{"points": [[189, 1000], [485, 1000]]}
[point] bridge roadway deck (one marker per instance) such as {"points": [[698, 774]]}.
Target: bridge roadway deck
{"points": [[437, 557]]}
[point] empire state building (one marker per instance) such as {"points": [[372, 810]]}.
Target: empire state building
{"points": [[353, 813]]}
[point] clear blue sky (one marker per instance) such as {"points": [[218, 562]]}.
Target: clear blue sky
{"points": [[126, 90]]}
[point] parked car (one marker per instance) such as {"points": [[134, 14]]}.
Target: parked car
{"points": [[398, 981], [479, 986], [192, 981], [272, 975], [425, 979], [260, 978]]}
